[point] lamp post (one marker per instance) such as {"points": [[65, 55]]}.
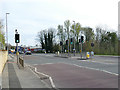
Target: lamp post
{"points": [[74, 38], [7, 31]]}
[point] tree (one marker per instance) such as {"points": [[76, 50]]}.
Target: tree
{"points": [[40, 38], [67, 27], [89, 34], [46, 41], [106, 42], [76, 33], [61, 34], [50, 39], [46, 38], [2, 38], [113, 40]]}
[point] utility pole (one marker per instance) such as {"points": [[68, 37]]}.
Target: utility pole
{"points": [[74, 38]]}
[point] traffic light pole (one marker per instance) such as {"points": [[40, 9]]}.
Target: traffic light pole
{"points": [[61, 50], [74, 38], [68, 42], [17, 52], [17, 48], [70, 49], [82, 40], [81, 50]]}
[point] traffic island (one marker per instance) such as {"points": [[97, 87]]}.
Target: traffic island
{"points": [[62, 56], [82, 58]]}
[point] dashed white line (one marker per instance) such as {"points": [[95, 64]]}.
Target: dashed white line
{"points": [[98, 62], [95, 69]]}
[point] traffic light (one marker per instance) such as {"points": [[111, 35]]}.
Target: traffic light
{"points": [[17, 38], [71, 41], [66, 42], [61, 43], [79, 40], [82, 39], [92, 44]]}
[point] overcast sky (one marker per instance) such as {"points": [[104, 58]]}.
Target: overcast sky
{"points": [[31, 16]]}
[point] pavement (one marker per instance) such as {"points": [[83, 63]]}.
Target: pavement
{"points": [[15, 77]]}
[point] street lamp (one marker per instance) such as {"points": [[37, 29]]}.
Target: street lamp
{"points": [[74, 38], [7, 30]]}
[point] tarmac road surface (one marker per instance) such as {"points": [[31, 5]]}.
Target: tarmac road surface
{"points": [[102, 72], [70, 76]]}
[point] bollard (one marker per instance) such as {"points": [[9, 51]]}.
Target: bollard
{"points": [[87, 55]]}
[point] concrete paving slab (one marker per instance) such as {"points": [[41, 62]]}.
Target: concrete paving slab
{"points": [[5, 77]]}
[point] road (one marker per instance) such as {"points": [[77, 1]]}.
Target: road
{"points": [[98, 72]]}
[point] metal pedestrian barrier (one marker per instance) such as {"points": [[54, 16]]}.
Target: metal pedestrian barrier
{"points": [[21, 61]]}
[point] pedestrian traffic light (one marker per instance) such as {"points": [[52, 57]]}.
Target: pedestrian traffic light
{"points": [[61, 43], [66, 42], [71, 41], [17, 38], [82, 39]]}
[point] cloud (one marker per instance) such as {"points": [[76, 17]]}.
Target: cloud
{"points": [[31, 16]]}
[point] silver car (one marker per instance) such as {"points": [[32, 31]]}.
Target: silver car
{"points": [[28, 53]]}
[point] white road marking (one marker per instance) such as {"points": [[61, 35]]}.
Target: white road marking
{"points": [[95, 69], [52, 63], [85, 67], [47, 63], [37, 75], [44, 54], [105, 63], [50, 78], [98, 62], [35, 64]]}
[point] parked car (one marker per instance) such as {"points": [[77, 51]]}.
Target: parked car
{"points": [[28, 53]]}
